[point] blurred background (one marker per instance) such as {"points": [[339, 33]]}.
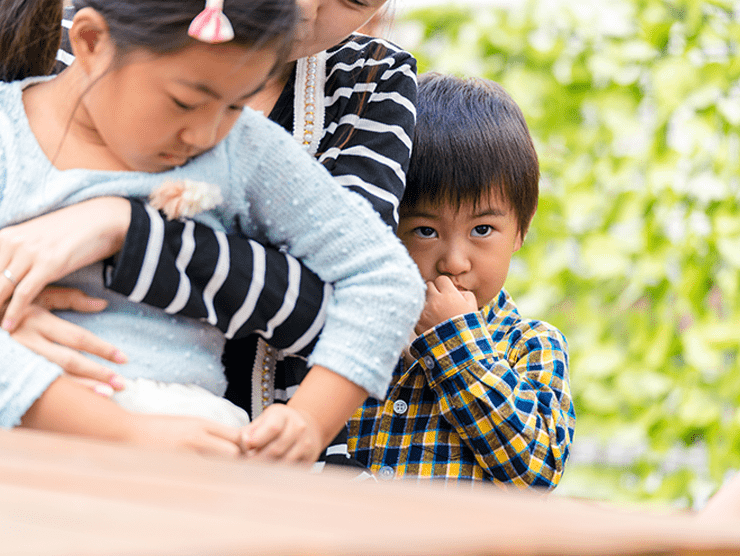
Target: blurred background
{"points": [[635, 250]]}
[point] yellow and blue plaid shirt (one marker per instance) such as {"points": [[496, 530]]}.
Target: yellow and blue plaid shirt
{"points": [[487, 398]]}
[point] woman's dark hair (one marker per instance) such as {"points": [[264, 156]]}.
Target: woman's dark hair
{"points": [[30, 35], [471, 141], [160, 26]]}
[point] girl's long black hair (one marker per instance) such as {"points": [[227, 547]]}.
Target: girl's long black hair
{"points": [[31, 31]]}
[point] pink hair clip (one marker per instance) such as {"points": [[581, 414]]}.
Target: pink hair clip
{"points": [[211, 25]]}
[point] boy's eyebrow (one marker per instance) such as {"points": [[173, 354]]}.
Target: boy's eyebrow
{"points": [[486, 212], [490, 212]]}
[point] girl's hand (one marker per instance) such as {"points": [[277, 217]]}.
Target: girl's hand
{"points": [[184, 433], [444, 301], [39, 251], [282, 433], [61, 342]]}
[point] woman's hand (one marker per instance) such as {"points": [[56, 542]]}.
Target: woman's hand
{"points": [[61, 342], [39, 251]]}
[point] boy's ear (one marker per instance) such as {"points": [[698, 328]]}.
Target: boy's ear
{"points": [[523, 233], [519, 240], [91, 42]]}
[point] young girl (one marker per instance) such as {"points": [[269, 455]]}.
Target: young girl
{"points": [[361, 125], [143, 104]]}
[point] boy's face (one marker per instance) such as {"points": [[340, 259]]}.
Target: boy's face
{"points": [[472, 248]]}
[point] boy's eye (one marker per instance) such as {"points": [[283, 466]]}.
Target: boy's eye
{"points": [[425, 232], [182, 105], [481, 231]]}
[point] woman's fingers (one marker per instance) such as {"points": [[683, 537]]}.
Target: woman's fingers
{"points": [[30, 285], [41, 250], [12, 283]]}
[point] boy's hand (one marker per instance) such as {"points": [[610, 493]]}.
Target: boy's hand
{"points": [[282, 433], [189, 433], [444, 301]]}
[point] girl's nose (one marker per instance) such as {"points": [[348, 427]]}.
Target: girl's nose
{"points": [[202, 134]]}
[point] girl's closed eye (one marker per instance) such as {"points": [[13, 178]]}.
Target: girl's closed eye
{"points": [[482, 230], [182, 105], [425, 232]]}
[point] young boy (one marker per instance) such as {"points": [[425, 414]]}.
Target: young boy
{"points": [[481, 393]]}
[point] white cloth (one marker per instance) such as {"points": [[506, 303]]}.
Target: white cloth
{"points": [[143, 395]]}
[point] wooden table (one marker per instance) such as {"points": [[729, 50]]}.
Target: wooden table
{"points": [[68, 496]]}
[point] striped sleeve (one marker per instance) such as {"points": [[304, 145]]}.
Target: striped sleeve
{"points": [[370, 98], [190, 269]]}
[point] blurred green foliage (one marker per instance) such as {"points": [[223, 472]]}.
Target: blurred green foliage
{"points": [[635, 250]]}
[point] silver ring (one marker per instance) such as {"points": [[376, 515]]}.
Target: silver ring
{"points": [[10, 277]]}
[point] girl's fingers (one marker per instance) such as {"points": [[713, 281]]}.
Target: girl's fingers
{"points": [[227, 433], [71, 361], [220, 440], [60, 298], [75, 337], [262, 431], [105, 390]]}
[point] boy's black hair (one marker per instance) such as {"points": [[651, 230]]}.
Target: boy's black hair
{"points": [[471, 141]]}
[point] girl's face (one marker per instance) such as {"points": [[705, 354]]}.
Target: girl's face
{"points": [[153, 113], [325, 23]]}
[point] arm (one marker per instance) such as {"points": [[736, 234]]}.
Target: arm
{"points": [[98, 417], [263, 290], [367, 144], [514, 385]]}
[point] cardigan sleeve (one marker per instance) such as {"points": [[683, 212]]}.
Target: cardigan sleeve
{"points": [[264, 291], [23, 378]]}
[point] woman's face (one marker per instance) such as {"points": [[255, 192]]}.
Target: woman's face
{"points": [[325, 23]]}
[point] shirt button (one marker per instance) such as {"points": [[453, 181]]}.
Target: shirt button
{"points": [[428, 362], [386, 472], [400, 407]]}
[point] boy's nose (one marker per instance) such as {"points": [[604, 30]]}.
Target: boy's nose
{"points": [[453, 262]]}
